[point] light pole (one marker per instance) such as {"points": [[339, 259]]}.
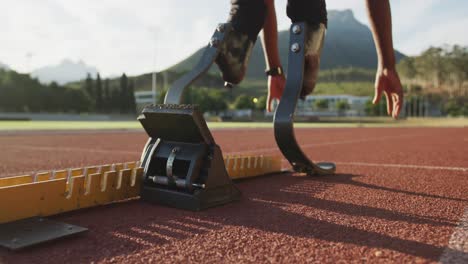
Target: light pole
{"points": [[155, 31]]}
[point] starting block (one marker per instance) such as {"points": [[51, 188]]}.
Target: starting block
{"points": [[26, 199], [55, 192], [183, 165]]}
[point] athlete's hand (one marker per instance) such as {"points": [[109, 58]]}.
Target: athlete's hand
{"points": [[388, 82], [275, 89]]}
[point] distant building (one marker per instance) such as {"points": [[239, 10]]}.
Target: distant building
{"points": [[244, 114], [144, 98], [328, 105]]}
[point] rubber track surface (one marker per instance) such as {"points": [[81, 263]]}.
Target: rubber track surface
{"points": [[397, 197]]}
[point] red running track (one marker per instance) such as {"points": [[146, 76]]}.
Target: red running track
{"points": [[398, 196]]}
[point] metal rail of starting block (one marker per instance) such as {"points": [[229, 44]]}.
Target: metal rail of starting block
{"points": [[26, 199]]}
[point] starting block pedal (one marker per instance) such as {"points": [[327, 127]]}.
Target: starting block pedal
{"points": [[183, 165]]}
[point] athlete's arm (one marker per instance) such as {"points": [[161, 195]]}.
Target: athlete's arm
{"points": [[269, 37], [387, 79]]}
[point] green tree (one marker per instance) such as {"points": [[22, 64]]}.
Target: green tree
{"points": [[407, 68], [77, 101], [371, 109], [440, 69], [123, 98], [89, 88], [452, 108], [349, 74], [21, 93], [88, 85], [458, 67], [107, 97], [208, 100], [115, 101], [465, 110], [99, 97], [321, 104], [261, 103], [131, 98], [218, 100], [244, 102], [54, 94], [342, 106], [432, 64]]}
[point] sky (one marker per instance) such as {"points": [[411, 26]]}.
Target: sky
{"points": [[139, 36]]}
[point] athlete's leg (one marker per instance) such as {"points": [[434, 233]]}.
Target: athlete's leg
{"points": [[247, 18]]}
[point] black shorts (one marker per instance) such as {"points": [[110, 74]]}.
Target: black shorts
{"points": [[248, 16]]}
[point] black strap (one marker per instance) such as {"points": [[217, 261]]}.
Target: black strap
{"points": [[276, 71]]}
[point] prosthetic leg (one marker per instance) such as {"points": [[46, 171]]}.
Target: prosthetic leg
{"points": [[284, 115]]}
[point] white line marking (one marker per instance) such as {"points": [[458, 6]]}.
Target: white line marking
{"points": [[263, 150], [406, 166], [285, 162], [457, 248], [42, 148]]}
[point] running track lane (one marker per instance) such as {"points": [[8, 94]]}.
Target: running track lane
{"points": [[366, 212]]}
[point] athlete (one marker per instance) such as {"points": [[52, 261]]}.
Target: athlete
{"points": [[248, 17]]}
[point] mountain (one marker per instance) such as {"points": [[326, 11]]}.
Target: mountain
{"points": [[66, 71], [348, 43], [4, 66]]}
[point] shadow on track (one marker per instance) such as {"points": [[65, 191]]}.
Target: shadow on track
{"points": [[287, 205], [349, 179]]}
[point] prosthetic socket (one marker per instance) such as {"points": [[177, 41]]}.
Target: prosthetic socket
{"points": [[234, 56], [314, 43]]}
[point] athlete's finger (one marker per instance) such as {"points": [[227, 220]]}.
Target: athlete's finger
{"points": [[378, 90], [389, 103]]}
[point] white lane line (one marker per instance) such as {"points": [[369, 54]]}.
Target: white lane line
{"points": [[457, 248], [286, 165], [263, 150], [406, 166]]}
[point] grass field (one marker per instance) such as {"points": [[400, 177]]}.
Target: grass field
{"points": [[352, 88], [345, 122], [257, 88]]}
